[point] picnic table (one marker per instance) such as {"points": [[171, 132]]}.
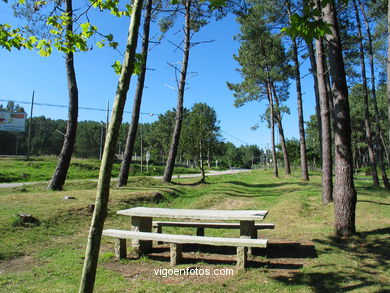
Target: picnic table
{"points": [[142, 219], [143, 237]]}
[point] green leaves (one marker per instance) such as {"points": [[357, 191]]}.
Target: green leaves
{"points": [[117, 67], [44, 48], [309, 25], [139, 61], [112, 6], [11, 38], [306, 27]]}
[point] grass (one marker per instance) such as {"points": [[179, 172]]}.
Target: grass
{"points": [[42, 168], [302, 257]]}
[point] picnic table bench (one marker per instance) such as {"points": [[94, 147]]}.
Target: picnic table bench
{"points": [[142, 236]]}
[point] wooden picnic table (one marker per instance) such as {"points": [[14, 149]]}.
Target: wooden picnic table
{"points": [[142, 218]]}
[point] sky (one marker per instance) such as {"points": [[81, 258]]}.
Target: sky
{"points": [[211, 65]]}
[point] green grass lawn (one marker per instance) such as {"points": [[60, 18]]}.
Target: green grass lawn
{"points": [[302, 255], [41, 169]]}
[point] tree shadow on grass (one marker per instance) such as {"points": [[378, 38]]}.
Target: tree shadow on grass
{"points": [[199, 182], [281, 256], [269, 185], [370, 258], [252, 192], [374, 202]]}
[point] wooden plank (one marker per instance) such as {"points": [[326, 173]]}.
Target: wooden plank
{"points": [[214, 225], [173, 238], [224, 215]]}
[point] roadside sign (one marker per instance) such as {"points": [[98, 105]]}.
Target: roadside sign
{"points": [[147, 156], [13, 121]]}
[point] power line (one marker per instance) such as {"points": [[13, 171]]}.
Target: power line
{"points": [[240, 140], [64, 106], [104, 110]]}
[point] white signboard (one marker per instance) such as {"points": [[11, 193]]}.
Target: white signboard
{"points": [[147, 157], [12, 121]]}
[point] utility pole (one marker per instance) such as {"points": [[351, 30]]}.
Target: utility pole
{"points": [[141, 144], [101, 140], [29, 127], [107, 116]]}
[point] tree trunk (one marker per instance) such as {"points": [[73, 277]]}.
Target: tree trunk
{"points": [[201, 163], [302, 139], [131, 135], [103, 188], [58, 179], [367, 123], [272, 122], [278, 119], [374, 100], [313, 65], [170, 164], [388, 67], [344, 194], [326, 137]]}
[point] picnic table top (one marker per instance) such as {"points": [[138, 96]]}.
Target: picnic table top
{"points": [[195, 214]]}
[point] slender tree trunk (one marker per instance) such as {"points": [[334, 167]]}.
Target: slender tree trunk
{"points": [[367, 123], [371, 153], [278, 119], [272, 122], [326, 137], [305, 173], [208, 158], [330, 94], [344, 194], [201, 163], [170, 164], [313, 65], [302, 139], [374, 100], [103, 188], [58, 179], [385, 149], [388, 67], [131, 135]]}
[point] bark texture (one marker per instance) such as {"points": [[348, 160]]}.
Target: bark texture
{"points": [[170, 164], [272, 122], [297, 76], [302, 139], [326, 138], [367, 124], [103, 188], [374, 100], [313, 64], [131, 135], [278, 119], [388, 67], [344, 194], [58, 179]]}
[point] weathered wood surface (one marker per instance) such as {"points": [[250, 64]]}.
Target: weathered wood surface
{"points": [[222, 215], [214, 225], [173, 238]]}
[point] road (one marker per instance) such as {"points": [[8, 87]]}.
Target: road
{"points": [[210, 173]]}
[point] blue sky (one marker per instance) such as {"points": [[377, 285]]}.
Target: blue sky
{"points": [[212, 64]]}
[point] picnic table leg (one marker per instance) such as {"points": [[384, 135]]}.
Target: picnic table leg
{"points": [[141, 224], [246, 231]]}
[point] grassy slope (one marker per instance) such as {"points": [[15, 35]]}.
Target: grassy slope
{"points": [[41, 169], [53, 252]]}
